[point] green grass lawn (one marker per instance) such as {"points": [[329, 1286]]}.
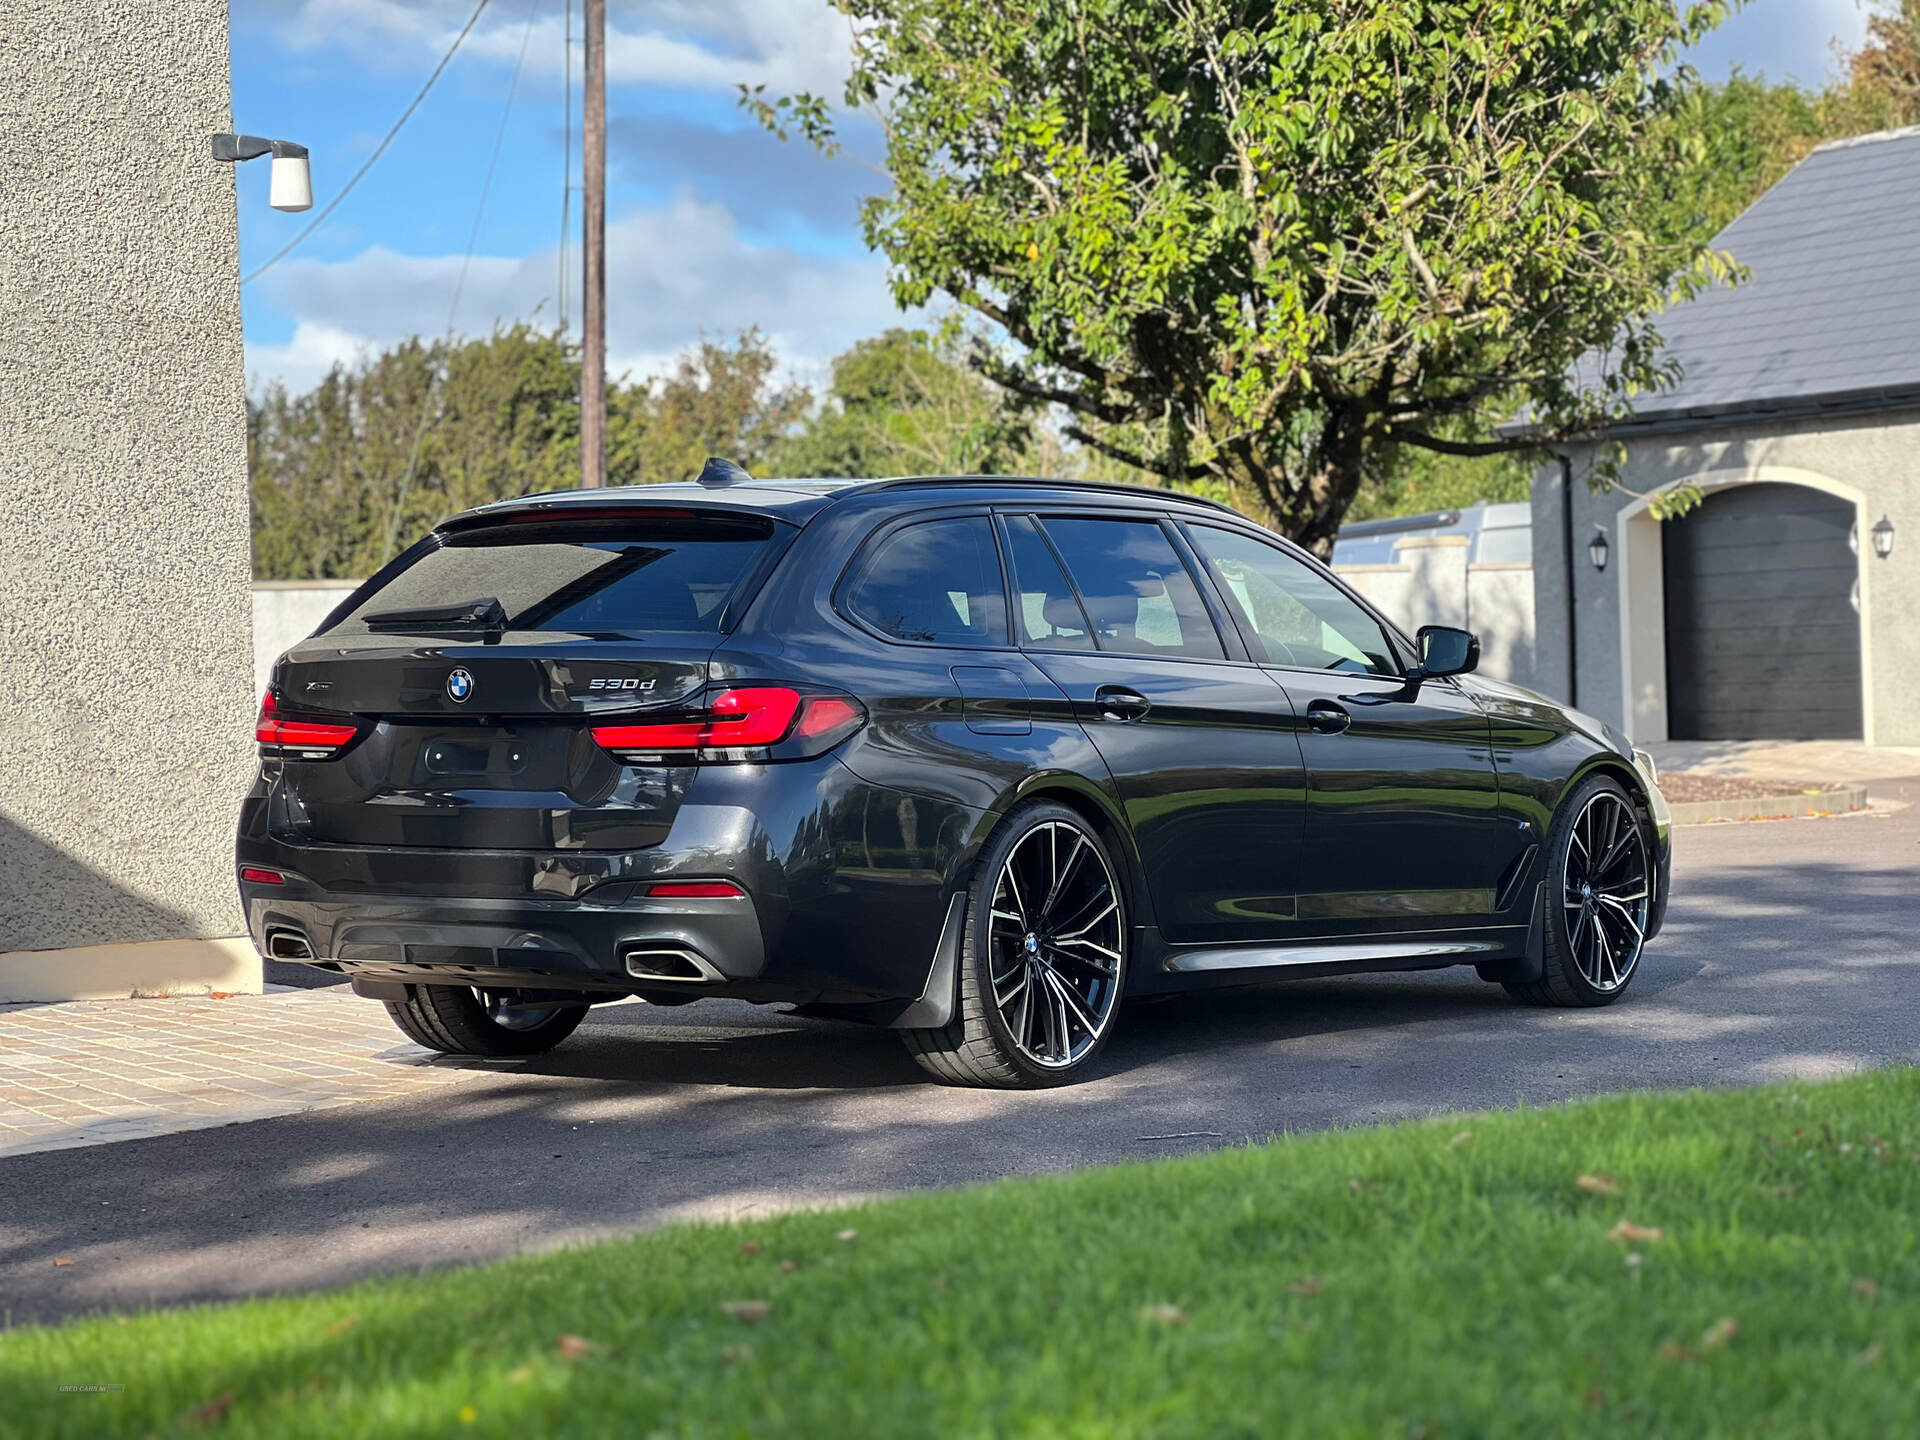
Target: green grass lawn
{"points": [[1449, 1278]]}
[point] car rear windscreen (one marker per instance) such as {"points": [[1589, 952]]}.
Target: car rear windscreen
{"points": [[645, 574]]}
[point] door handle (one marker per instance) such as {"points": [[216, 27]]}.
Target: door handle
{"points": [[1327, 717], [1117, 702]]}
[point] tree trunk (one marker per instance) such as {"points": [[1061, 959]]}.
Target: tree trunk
{"points": [[1306, 507]]}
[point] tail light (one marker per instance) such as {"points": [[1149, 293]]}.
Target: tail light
{"points": [[300, 737], [760, 722]]}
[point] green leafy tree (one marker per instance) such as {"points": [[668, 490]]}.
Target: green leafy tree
{"points": [[719, 399], [1263, 244], [907, 403], [377, 452]]}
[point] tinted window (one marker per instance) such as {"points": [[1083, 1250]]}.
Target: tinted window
{"points": [[938, 582], [1044, 606], [1289, 610], [1137, 592], [665, 574]]}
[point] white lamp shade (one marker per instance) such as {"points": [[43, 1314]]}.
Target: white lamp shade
{"points": [[292, 187]]}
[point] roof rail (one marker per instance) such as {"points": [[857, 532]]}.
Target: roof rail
{"points": [[901, 482]]}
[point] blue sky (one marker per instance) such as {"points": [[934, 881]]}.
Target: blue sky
{"points": [[712, 225]]}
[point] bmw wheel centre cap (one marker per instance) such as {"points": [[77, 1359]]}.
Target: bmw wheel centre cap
{"points": [[459, 685]]}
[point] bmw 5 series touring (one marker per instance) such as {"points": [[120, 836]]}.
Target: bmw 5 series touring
{"points": [[972, 758]]}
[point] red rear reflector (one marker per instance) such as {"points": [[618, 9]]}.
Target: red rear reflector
{"points": [[696, 890], [262, 877], [270, 729]]}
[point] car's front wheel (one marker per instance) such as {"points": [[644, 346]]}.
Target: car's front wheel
{"points": [[1043, 962], [458, 1021], [1599, 896]]}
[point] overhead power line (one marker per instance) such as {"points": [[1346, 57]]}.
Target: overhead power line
{"points": [[459, 287], [378, 151]]}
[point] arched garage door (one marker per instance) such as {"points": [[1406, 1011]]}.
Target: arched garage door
{"points": [[1763, 640]]}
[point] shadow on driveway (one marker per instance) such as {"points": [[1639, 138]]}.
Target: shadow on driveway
{"points": [[1789, 953]]}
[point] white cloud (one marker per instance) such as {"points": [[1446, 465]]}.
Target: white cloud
{"points": [[303, 361], [674, 272], [786, 45]]}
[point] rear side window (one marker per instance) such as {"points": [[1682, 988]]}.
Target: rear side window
{"points": [[937, 582], [1138, 594], [1043, 604], [677, 575]]}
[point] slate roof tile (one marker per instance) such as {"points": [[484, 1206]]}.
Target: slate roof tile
{"points": [[1831, 305]]}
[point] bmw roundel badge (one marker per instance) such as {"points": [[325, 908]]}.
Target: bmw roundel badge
{"points": [[459, 685]]}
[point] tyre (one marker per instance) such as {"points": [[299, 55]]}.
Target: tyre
{"points": [[457, 1021], [1042, 960], [1599, 896]]}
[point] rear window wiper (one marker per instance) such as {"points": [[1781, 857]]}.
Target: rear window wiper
{"points": [[483, 614]]}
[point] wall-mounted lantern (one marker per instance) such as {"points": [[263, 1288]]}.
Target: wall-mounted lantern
{"points": [[1597, 550], [292, 185], [1883, 538]]}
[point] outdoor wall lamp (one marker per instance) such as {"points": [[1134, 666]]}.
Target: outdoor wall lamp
{"points": [[1597, 549], [1883, 538], [292, 185]]}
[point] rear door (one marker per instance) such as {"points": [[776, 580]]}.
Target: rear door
{"points": [[474, 673], [1200, 743], [1404, 827]]}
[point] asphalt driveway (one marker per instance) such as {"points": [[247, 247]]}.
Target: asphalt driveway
{"points": [[1789, 952]]}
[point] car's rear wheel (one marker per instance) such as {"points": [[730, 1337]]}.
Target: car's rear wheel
{"points": [[1043, 960], [456, 1020], [1599, 897]]}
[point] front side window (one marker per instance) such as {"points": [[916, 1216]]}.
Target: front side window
{"points": [[936, 582], [1292, 615], [1139, 597]]}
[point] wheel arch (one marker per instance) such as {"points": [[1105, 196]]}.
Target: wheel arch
{"points": [[1096, 806], [1630, 779]]}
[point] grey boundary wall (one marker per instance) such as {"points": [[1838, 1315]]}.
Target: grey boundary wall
{"points": [[125, 647]]}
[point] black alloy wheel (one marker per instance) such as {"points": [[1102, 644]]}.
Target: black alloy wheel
{"points": [[1043, 964], [1599, 899]]}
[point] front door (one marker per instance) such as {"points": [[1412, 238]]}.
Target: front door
{"points": [[1201, 746], [1404, 829]]}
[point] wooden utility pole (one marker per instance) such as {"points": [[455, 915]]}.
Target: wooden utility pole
{"points": [[593, 290]]}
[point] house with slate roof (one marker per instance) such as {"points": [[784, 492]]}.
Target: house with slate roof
{"points": [[1787, 603]]}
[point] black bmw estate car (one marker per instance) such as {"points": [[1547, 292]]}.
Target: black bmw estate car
{"points": [[972, 758]]}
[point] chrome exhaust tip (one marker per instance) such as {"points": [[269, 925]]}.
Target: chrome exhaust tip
{"points": [[677, 964], [288, 945]]}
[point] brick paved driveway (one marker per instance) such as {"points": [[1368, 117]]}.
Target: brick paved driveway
{"points": [[86, 1073]]}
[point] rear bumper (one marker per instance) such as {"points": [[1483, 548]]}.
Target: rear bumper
{"points": [[543, 944], [845, 888]]}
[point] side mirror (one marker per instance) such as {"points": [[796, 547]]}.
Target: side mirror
{"points": [[1446, 651]]}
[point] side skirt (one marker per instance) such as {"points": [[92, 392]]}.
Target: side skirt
{"points": [[1179, 967]]}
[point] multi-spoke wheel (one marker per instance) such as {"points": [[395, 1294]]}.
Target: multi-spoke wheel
{"points": [[1044, 960], [1599, 898], [459, 1021]]}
